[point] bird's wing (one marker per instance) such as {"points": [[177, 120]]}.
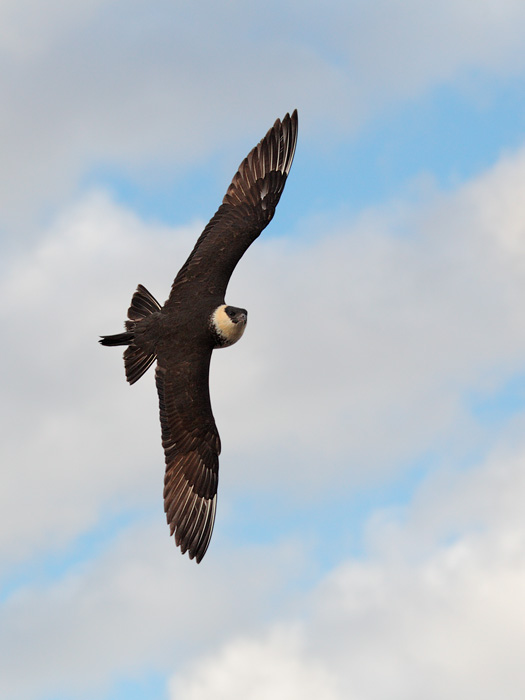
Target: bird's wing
{"points": [[191, 447], [247, 208]]}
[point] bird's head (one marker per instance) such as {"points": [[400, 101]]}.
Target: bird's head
{"points": [[228, 324]]}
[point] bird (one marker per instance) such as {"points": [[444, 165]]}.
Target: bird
{"points": [[195, 320]]}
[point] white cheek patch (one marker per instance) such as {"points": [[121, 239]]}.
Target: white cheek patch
{"points": [[224, 326]]}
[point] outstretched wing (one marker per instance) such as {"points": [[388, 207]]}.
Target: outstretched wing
{"points": [[247, 208], [191, 447]]}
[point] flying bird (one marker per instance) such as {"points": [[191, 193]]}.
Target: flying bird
{"points": [[194, 321]]}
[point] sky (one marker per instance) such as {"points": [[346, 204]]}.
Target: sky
{"points": [[370, 532]]}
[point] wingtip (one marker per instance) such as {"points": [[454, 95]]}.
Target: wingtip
{"points": [[192, 530], [292, 119], [289, 122], [274, 152], [290, 115]]}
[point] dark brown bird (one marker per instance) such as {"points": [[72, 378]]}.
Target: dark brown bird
{"points": [[194, 321]]}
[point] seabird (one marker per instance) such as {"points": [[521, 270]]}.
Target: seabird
{"points": [[194, 321]]}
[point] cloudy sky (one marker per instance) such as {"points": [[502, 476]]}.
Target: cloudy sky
{"points": [[370, 535]]}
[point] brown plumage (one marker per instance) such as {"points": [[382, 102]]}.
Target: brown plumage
{"points": [[194, 321]]}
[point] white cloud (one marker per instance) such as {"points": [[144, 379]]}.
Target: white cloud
{"points": [[388, 324], [419, 615], [73, 445], [367, 340], [443, 620], [398, 49], [257, 670], [139, 605], [134, 84], [409, 309], [28, 28], [371, 338], [130, 88]]}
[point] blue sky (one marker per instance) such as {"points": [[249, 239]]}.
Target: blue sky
{"points": [[369, 540]]}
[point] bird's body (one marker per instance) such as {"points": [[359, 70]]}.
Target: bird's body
{"points": [[195, 320]]}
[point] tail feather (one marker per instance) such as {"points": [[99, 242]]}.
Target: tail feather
{"points": [[118, 339], [142, 304], [136, 360]]}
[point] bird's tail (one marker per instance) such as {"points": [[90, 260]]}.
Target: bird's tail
{"points": [[136, 360]]}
